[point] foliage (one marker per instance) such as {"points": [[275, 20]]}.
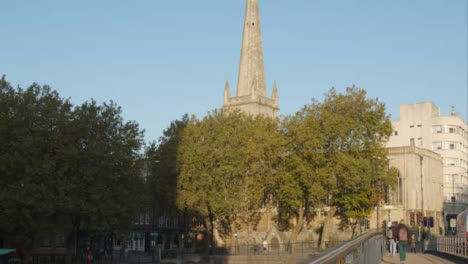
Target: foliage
{"points": [[32, 123], [329, 153], [161, 165], [62, 167], [225, 162], [336, 157], [356, 131]]}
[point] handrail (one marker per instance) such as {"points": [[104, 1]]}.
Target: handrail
{"points": [[349, 250]]}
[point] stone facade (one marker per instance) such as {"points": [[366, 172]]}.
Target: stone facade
{"points": [[251, 96], [422, 125], [418, 189]]}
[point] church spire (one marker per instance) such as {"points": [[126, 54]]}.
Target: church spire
{"points": [[251, 94], [274, 94], [251, 70], [227, 92]]}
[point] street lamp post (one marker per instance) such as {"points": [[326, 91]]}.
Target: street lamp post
{"points": [[422, 183], [153, 232]]}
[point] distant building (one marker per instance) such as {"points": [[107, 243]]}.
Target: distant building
{"points": [[164, 231], [418, 185], [421, 125]]}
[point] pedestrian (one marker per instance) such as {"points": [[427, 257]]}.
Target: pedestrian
{"points": [[402, 239], [391, 239], [265, 246], [413, 243], [90, 255]]}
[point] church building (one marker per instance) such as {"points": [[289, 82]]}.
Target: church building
{"points": [[251, 96]]}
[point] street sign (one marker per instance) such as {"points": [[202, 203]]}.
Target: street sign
{"points": [[453, 222]]}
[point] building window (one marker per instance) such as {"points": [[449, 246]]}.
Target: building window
{"points": [[60, 240], [437, 145], [44, 240], [396, 133], [411, 126], [420, 142], [419, 125], [452, 145], [395, 195], [411, 141], [451, 162], [400, 189], [436, 129], [452, 130]]}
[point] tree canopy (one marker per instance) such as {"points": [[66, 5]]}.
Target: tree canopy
{"points": [[336, 157], [162, 169], [225, 160], [329, 154], [65, 167]]}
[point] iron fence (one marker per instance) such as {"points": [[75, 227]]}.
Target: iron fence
{"points": [[244, 253], [252, 253]]}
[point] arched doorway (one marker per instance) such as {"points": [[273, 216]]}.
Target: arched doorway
{"points": [[274, 244]]}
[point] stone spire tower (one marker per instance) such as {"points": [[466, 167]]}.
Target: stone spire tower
{"points": [[251, 94]]}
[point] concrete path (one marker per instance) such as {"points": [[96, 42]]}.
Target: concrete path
{"points": [[412, 258]]}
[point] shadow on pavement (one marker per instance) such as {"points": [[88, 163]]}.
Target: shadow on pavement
{"points": [[454, 259]]}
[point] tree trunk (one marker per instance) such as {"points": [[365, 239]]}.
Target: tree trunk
{"points": [[233, 236], [353, 227], [326, 227], [211, 229], [360, 226], [217, 238], [296, 231], [71, 245]]}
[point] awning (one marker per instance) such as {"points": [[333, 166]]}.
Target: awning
{"points": [[4, 251]]}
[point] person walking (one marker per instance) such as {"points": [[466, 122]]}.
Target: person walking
{"points": [[413, 243], [90, 256], [391, 240], [265, 246], [402, 239]]}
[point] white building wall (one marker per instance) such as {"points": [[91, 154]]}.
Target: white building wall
{"points": [[422, 125]]}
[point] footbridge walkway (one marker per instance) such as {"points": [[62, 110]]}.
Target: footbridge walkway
{"points": [[371, 248], [420, 258]]}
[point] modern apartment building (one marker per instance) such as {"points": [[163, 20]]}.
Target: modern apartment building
{"points": [[421, 125]]}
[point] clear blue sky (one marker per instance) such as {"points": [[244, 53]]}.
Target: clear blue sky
{"points": [[161, 59]]}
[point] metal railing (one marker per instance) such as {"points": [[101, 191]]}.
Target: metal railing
{"points": [[366, 249], [300, 248], [250, 253], [456, 246]]}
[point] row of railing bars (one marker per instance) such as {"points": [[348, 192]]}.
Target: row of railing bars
{"points": [[456, 246], [366, 249]]}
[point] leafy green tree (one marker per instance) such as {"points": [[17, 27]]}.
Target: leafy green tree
{"points": [[336, 157], [102, 175], [32, 125], [162, 167], [65, 168], [356, 129], [223, 160], [302, 182]]}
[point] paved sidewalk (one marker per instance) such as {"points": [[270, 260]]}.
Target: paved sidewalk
{"points": [[412, 258]]}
